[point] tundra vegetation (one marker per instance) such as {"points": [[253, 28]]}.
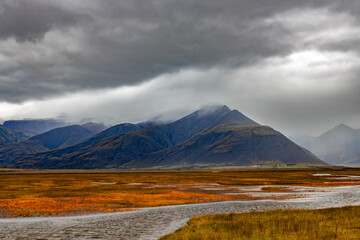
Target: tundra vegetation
{"points": [[332, 223], [74, 192]]}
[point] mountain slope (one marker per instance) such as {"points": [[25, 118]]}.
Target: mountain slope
{"points": [[7, 136], [11, 153], [234, 145], [339, 146], [112, 131], [62, 137]]}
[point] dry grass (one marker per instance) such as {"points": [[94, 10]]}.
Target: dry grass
{"points": [[334, 223], [54, 193]]}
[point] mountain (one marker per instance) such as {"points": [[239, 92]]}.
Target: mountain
{"points": [[53, 139], [7, 136], [32, 127], [211, 136], [13, 154], [338, 146], [230, 145], [109, 152]]}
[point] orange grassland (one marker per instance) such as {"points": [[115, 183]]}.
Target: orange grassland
{"points": [[60, 193]]}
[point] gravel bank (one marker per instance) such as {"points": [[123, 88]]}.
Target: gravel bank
{"points": [[152, 223]]}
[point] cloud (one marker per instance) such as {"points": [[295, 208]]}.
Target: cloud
{"points": [[311, 90], [31, 20], [52, 47], [283, 63]]}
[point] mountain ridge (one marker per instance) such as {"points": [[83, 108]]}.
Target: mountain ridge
{"points": [[32, 127], [135, 145], [53, 139]]}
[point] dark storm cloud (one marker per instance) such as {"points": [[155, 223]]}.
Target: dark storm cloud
{"points": [[30, 20], [127, 42]]}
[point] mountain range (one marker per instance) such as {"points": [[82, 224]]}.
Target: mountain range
{"points": [[213, 136], [54, 139], [338, 146], [32, 127]]}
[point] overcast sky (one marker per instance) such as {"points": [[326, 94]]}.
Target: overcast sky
{"points": [[293, 65]]}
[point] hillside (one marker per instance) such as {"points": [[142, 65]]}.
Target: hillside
{"points": [[8, 136], [62, 137], [217, 136], [338, 146]]}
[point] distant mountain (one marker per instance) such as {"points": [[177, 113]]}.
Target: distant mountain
{"points": [[111, 152], [62, 137], [56, 138], [211, 136], [7, 136], [32, 127], [338, 146]]}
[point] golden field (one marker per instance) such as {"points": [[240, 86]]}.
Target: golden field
{"points": [[333, 223], [60, 193]]}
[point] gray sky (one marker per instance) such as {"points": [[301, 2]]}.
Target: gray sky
{"points": [[290, 64]]}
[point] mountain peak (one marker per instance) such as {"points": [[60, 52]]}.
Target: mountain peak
{"points": [[343, 126], [340, 131], [216, 110]]}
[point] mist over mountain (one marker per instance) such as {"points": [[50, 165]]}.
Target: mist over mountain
{"points": [[94, 128], [32, 127], [338, 146], [216, 136]]}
